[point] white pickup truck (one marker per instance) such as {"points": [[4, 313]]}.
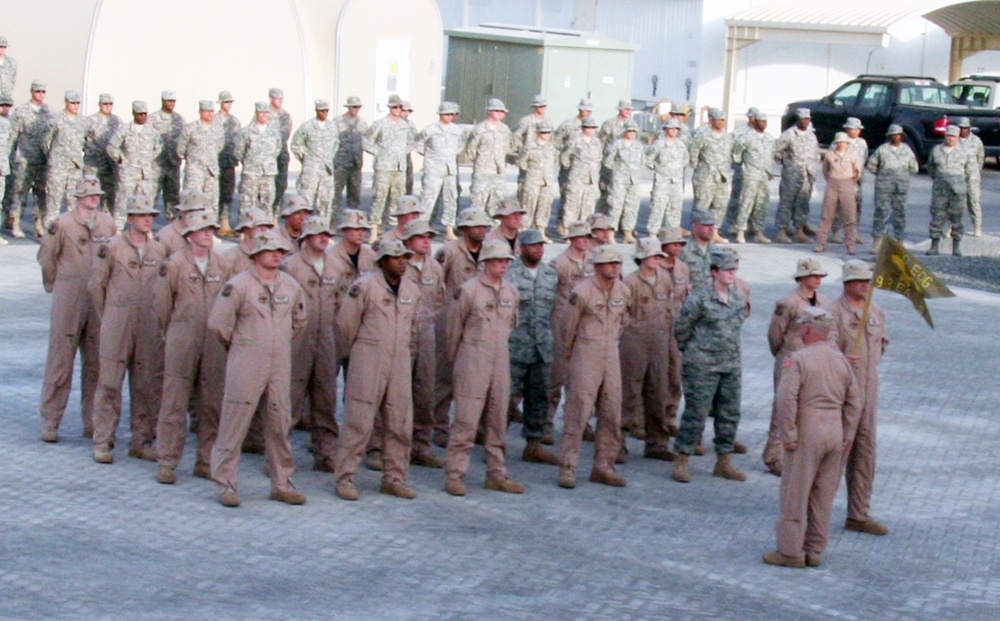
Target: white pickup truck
{"points": [[977, 90]]}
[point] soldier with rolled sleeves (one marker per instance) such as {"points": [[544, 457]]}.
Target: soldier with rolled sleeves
{"points": [[570, 128], [29, 125], [678, 113], [698, 255], [440, 144], [593, 323], [539, 164], [406, 210], [350, 154], [257, 150], [753, 153], [672, 243], [708, 332], [227, 158], [281, 120], [892, 164], [100, 127], [199, 145], [625, 158], [841, 169], [67, 255], [294, 215], [581, 168], [123, 287], [488, 146], [8, 70], [531, 342], [314, 350], [479, 324], [667, 157], [376, 327], [194, 360], [134, 149], [389, 140], [797, 151], [526, 129], [169, 125], [509, 215], [314, 145], [405, 114], [172, 236], [711, 151], [428, 275], [950, 166], [974, 145], [64, 155], [865, 355], [817, 402], [252, 222], [644, 347], [256, 316], [783, 337]]}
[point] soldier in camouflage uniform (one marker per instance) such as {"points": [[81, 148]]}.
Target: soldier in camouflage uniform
{"points": [[314, 145], [405, 114], [100, 127], [564, 134], [29, 124], [390, 140], [488, 146], [950, 165], [169, 124], [974, 145], [257, 150], [199, 145], [797, 150], [625, 158], [227, 159], [892, 164], [134, 149], [678, 113], [581, 162], [8, 71], [711, 151], [440, 144], [350, 154], [610, 131], [754, 155], [539, 164], [527, 126], [64, 155], [737, 184], [668, 157], [697, 254], [708, 332], [531, 348], [282, 121], [5, 104]]}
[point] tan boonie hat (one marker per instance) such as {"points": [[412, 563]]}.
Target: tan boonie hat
{"points": [[509, 207], [388, 247], [139, 107], [205, 105], [140, 205], [353, 102], [580, 228], [269, 240], [496, 249], [105, 98], [225, 96], [417, 227], [599, 221], [353, 219], [809, 266], [194, 200], [647, 247], [856, 269], [276, 93], [604, 254], [88, 185], [295, 203], [252, 218], [671, 236], [407, 203], [816, 317], [841, 137], [473, 217], [315, 225], [200, 220]]}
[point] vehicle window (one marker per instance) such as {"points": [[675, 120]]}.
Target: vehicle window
{"points": [[924, 94], [976, 95], [876, 96], [848, 94]]}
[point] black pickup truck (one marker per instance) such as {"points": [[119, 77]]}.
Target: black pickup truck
{"points": [[922, 106]]}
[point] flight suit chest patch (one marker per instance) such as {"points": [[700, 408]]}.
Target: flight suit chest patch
{"points": [[405, 299], [617, 302], [213, 278], [506, 303], [282, 299]]}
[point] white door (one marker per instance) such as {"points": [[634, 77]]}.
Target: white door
{"points": [[392, 71]]}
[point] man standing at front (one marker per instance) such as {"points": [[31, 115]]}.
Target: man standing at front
{"points": [[488, 148], [797, 150], [257, 150], [134, 149], [169, 125], [440, 144], [350, 154], [314, 145]]}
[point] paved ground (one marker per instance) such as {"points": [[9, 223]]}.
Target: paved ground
{"points": [[85, 541]]}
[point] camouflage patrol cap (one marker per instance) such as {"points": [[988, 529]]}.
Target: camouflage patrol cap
{"points": [[88, 185], [322, 104], [495, 249], [353, 219], [855, 269], [671, 123], [252, 218], [677, 109], [72, 96], [761, 116], [630, 126], [37, 85], [195, 200], [809, 266], [580, 228], [754, 112], [139, 107], [140, 205], [5, 100], [294, 204], [702, 217], [225, 96], [473, 217], [723, 260], [261, 106], [390, 247], [418, 227], [448, 107], [816, 317], [671, 236], [893, 129], [853, 123], [509, 207], [543, 128], [315, 225], [395, 100], [625, 104], [585, 104], [803, 113], [953, 130], [539, 102], [200, 220], [168, 96], [647, 247], [353, 102], [275, 93], [588, 122], [531, 237], [717, 113], [406, 106], [604, 254], [270, 240], [495, 105], [105, 98], [206, 105], [841, 137], [407, 203], [964, 122], [599, 221], [3, 41]]}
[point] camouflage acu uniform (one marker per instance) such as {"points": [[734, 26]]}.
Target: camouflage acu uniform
{"points": [[798, 153], [754, 154], [610, 131], [28, 127], [950, 169], [169, 125], [524, 132], [699, 261], [199, 146], [974, 145], [892, 167], [281, 120], [488, 146], [8, 76], [134, 149], [347, 163], [100, 128], [390, 142], [257, 150], [440, 144], [708, 332], [314, 145], [539, 163], [531, 347], [4, 155], [711, 158], [737, 178], [668, 159], [626, 160], [227, 159], [581, 158], [64, 158]]}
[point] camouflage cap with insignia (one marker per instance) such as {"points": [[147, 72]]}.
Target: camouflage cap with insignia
{"points": [[495, 249], [168, 96], [472, 216], [72, 96], [5, 100], [723, 260], [543, 128], [600, 221], [353, 102], [509, 207], [3, 41], [717, 113], [588, 122], [953, 130], [853, 122], [539, 102], [816, 317], [205, 105], [270, 240], [671, 236], [88, 185], [580, 228], [604, 254], [531, 237], [753, 111], [417, 227], [964, 122], [702, 217], [139, 107], [195, 200], [294, 204], [495, 105], [810, 266], [388, 247], [856, 269], [647, 247], [407, 203], [322, 104], [894, 129], [225, 96], [585, 104], [671, 123], [407, 107], [315, 225], [625, 104], [395, 101], [275, 93], [803, 113], [105, 98], [200, 220], [677, 109], [630, 126], [261, 106], [252, 218], [353, 219], [140, 205], [37, 85]]}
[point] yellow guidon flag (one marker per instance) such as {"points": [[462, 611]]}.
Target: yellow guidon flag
{"points": [[897, 270]]}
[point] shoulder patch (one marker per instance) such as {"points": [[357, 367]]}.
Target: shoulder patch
{"points": [[439, 255], [779, 309], [163, 269], [227, 290], [53, 228], [573, 297], [102, 252], [355, 291], [787, 363], [458, 292]]}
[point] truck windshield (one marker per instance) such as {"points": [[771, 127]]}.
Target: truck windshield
{"points": [[924, 94]]}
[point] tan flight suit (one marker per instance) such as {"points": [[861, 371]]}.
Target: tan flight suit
{"points": [[377, 328], [593, 325], [429, 278], [479, 324], [257, 324], [172, 236], [515, 249], [67, 256], [194, 360], [859, 458], [570, 273], [817, 402], [314, 354], [679, 289], [237, 260], [784, 339], [842, 173], [644, 350], [123, 287]]}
